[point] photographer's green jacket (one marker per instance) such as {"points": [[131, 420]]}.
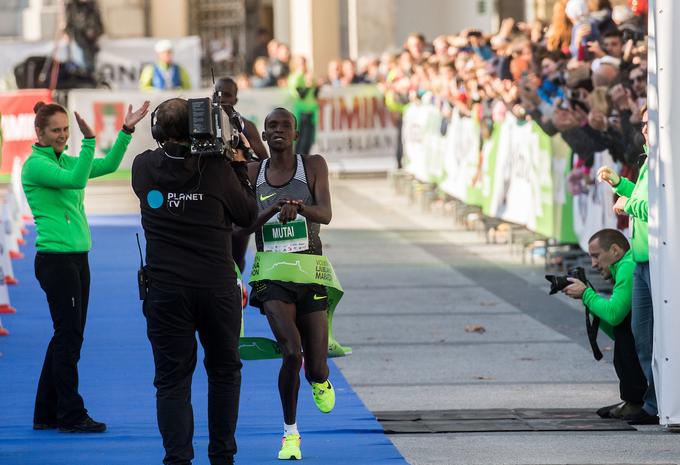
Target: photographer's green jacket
{"points": [[54, 188], [612, 311], [636, 207]]}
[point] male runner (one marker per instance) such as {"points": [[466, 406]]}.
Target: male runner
{"points": [[229, 89], [291, 279]]}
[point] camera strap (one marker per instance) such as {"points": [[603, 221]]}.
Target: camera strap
{"points": [[592, 328]]}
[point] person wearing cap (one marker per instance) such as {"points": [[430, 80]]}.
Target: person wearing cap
{"points": [[164, 74]]}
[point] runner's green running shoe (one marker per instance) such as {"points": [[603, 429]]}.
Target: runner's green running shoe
{"points": [[290, 448], [324, 396]]}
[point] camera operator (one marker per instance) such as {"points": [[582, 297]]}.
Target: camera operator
{"points": [[189, 203], [611, 255]]}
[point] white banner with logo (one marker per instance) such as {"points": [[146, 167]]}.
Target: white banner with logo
{"points": [[518, 175], [461, 157], [354, 132], [523, 167], [421, 137], [119, 61], [593, 207]]}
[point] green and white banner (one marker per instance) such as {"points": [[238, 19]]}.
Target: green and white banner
{"points": [[518, 174]]}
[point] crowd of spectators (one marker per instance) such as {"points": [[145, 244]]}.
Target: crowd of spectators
{"points": [[583, 75]]}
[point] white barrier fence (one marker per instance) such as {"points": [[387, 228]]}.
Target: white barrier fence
{"points": [[518, 175]]}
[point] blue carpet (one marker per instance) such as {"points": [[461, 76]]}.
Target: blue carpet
{"points": [[116, 374]]}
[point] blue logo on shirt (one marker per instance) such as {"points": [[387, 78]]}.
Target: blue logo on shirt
{"points": [[154, 199]]}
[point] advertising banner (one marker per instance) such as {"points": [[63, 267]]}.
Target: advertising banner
{"points": [[18, 119], [518, 174], [593, 207], [354, 132]]}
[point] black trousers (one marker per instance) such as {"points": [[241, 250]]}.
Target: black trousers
{"points": [[307, 130], [174, 314], [65, 278], [632, 381]]}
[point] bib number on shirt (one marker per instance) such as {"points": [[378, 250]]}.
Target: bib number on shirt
{"points": [[289, 237]]}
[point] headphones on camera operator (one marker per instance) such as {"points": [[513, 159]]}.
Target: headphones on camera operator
{"points": [[213, 130], [157, 131]]}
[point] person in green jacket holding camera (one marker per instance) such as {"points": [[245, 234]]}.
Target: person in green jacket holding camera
{"points": [[54, 184], [611, 256], [633, 202]]}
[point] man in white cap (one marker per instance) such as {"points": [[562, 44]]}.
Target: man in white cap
{"points": [[164, 74]]}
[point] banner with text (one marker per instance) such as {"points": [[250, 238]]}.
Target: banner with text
{"points": [[518, 175], [18, 119], [354, 131]]}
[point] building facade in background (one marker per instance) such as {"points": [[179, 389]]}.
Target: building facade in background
{"points": [[321, 30]]}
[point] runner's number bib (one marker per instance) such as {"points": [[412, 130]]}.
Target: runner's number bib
{"points": [[289, 237]]}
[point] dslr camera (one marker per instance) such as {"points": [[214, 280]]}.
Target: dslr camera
{"points": [[557, 282], [214, 131], [631, 33]]}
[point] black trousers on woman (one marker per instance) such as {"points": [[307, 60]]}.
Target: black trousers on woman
{"points": [[65, 278]]}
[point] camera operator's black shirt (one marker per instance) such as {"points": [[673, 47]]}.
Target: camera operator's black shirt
{"points": [[188, 205]]}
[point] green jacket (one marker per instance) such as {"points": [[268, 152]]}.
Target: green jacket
{"points": [[636, 207], [612, 311], [305, 100], [54, 189]]}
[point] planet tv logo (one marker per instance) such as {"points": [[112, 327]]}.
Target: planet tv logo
{"points": [[154, 198]]}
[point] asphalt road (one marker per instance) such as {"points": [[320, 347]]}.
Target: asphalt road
{"points": [[413, 281]]}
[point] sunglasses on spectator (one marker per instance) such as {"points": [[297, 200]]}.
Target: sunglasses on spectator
{"points": [[638, 79]]}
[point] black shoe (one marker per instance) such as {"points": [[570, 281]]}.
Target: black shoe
{"points": [[43, 426], [606, 412], [86, 425], [641, 418]]}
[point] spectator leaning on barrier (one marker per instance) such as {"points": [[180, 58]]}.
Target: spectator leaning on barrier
{"points": [[610, 254], [633, 202], [164, 74], [54, 182]]}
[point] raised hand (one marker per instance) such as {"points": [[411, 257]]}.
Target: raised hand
{"points": [[608, 175], [84, 127], [134, 117]]}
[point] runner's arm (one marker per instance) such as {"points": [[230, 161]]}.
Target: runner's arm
{"points": [[255, 140], [321, 212], [264, 216]]}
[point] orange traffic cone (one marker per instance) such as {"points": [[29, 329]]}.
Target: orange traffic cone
{"points": [[6, 261], [5, 307]]}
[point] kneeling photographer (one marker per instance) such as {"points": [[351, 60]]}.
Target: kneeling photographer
{"points": [[610, 254], [191, 193]]}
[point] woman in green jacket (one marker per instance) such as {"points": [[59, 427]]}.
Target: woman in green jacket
{"points": [[54, 183], [633, 202]]}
